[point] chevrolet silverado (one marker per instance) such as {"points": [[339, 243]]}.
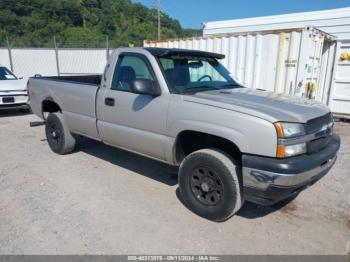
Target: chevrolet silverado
{"points": [[183, 107]]}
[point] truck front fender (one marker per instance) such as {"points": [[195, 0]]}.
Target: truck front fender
{"points": [[233, 135]]}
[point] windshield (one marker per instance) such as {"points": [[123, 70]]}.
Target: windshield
{"points": [[6, 74], [195, 74]]}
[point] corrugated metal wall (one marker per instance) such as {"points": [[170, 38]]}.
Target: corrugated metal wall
{"points": [[27, 62], [336, 88], [286, 61], [335, 22], [340, 91]]}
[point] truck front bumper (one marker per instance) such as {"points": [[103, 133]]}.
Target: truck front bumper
{"points": [[269, 180]]}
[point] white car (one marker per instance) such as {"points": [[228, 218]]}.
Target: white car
{"points": [[13, 90]]}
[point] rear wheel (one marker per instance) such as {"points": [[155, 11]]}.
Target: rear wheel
{"points": [[58, 135], [209, 184]]}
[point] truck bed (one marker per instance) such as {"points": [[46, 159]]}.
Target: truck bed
{"points": [[79, 79], [76, 96]]}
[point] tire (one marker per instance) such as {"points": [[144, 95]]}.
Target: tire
{"points": [[209, 184], [58, 135]]}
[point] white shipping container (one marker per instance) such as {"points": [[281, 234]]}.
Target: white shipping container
{"points": [[334, 21], [294, 61], [339, 100]]}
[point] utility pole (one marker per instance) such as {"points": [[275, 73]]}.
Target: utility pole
{"points": [[107, 47], [56, 54], [158, 9], [10, 52]]}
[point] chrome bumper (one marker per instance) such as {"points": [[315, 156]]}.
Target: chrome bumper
{"points": [[262, 179], [269, 180]]}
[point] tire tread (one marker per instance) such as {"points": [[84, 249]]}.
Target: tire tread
{"points": [[68, 139], [227, 162]]}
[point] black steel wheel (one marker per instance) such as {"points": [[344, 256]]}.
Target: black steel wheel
{"points": [[58, 135], [209, 184], [55, 133]]}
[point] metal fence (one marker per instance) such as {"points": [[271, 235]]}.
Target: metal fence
{"points": [[26, 62]]}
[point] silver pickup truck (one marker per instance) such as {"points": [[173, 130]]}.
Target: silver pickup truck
{"points": [[183, 107]]}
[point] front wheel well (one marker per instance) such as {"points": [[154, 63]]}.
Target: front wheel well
{"points": [[190, 141]]}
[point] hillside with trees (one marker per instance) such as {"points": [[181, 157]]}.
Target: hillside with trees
{"points": [[83, 23]]}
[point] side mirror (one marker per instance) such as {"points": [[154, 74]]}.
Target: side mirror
{"points": [[145, 87]]}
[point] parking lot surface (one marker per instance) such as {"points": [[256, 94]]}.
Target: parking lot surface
{"points": [[102, 200]]}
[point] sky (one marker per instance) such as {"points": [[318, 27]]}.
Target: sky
{"points": [[192, 13]]}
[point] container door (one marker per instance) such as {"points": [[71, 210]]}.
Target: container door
{"points": [[309, 64], [327, 66], [340, 90]]}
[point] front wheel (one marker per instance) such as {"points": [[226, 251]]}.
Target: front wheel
{"points": [[58, 135], [209, 184]]}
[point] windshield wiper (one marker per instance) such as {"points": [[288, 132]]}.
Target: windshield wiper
{"points": [[200, 88]]}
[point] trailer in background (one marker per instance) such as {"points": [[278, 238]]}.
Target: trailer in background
{"points": [[296, 61]]}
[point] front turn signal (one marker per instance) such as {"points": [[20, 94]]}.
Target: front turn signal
{"points": [[279, 129], [280, 152]]}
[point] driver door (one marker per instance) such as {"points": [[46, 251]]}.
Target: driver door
{"points": [[133, 121]]}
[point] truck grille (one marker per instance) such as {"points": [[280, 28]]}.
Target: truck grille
{"points": [[318, 144], [318, 125]]}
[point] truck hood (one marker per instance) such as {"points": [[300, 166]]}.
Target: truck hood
{"points": [[12, 85], [263, 104]]}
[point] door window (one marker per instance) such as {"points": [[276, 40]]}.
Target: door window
{"points": [[129, 68]]}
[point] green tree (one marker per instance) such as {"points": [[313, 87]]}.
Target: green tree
{"points": [[79, 23]]}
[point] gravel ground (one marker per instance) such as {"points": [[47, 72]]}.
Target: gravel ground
{"points": [[101, 200]]}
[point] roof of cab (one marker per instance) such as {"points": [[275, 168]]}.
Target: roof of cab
{"points": [[156, 51]]}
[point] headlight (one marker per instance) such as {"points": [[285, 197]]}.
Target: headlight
{"points": [[288, 130], [293, 150], [290, 150]]}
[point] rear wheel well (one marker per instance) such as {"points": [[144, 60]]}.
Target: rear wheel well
{"points": [[190, 141], [50, 106]]}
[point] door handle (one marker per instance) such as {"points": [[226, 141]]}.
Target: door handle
{"points": [[109, 101]]}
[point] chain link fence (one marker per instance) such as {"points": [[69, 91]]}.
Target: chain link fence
{"points": [[58, 58]]}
